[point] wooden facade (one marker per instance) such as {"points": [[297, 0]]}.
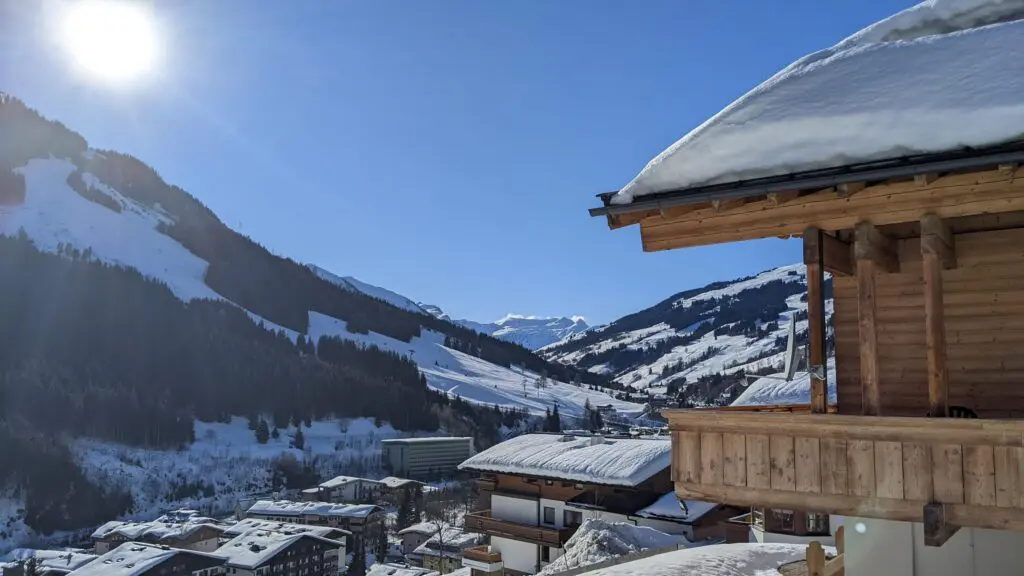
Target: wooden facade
{"points": [[928, 281]]}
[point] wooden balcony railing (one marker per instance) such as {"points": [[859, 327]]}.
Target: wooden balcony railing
{"points": [[965, 472], [482, 554], [483, 523]]}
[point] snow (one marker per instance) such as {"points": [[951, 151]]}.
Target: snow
{"points": [[715, 560], [767, 391], [668, 507], [249, 524], [472, 378], [597, 540], [356, 285], [132, 558], [625, 462], [399, 570], [289, 508], [455, 541], [530, 331], [426, 528], [255, 547], [396, 482], [925, 80], [159, 529], [55, 559]]}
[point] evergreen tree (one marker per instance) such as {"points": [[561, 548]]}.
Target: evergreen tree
{"points": [[262, 432], [556, 420], [547, 420], [275, 433], [405, 511], [358, 565], [300, 438]]}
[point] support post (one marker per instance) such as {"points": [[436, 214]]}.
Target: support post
{"points": [[871, 250], [937, 253], [814, 260], [937, 529]]}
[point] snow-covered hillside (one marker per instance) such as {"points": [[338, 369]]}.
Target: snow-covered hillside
{"points": [[528, 331], [723, 328], [356, 285]]}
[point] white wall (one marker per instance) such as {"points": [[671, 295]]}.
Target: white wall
{"points": [[897, 549], [516, 555], [559, 507], [208, 545], [518, 510]]}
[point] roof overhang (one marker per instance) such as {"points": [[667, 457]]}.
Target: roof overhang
{"points": [[959, 183]]}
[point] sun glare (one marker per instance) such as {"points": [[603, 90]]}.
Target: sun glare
{"points": [[111, 40]]}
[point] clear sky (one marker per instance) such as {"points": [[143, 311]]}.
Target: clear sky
{"points": [[447, 150]]}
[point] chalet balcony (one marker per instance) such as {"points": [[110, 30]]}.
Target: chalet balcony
{"points": [[483, 523], [483, 559], [961, 472]]}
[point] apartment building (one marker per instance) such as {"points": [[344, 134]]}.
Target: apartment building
{"points": [[261, 552], [140, 559], [425, 458], [343, 537], [537, 489], [190, 532]]}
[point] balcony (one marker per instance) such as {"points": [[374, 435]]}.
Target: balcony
{"points": [[483, 559], [960, 472], [483, 523]]}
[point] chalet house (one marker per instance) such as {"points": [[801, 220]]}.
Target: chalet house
{"points": [[895, 156], [139, 559], [537, 489], [259, 552], [344, 537], [190, 533], [444, 554], [344, 489], [414, 536], [364, 521]]}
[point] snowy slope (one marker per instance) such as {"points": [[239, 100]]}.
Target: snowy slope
{"points": [[474, 379], [597, 540], [356, 285], [530, 331], [610, 349], [932, 78]]}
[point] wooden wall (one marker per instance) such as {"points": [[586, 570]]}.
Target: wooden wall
{"points": [[984, 309]]}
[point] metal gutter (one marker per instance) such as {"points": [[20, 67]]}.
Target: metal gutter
{"points": [[815, 179]]}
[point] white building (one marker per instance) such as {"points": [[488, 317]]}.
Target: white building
{"points": [[260, 552]]}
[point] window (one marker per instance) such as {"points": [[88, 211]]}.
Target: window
{"points": [[572, 518], [549, 515], [545, 554], [817, 523]]}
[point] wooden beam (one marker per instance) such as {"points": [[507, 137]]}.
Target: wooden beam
{"points": [[677, 211], [925, 179], [849, 189], [937, 527], [777, 198], [616, 221], [814, 259], [719, 206], [870, 244], [837, 256], [936, 251]]}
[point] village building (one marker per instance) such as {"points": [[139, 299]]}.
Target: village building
{"points": [[425, 458], [260, 552], [140, 559], [394, 569], [47, 562], [343, 537], [442, 552], [537, 489], [182, 529], [344, 489], [896, 157], [414, 536]]}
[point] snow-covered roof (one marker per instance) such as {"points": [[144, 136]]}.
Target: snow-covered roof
{"points": [[343, 480], [133, 558], [428, 528], [428, 440], [396, 482], [940, 76], [667, 507], [255, 547], [392, 569], [455, 541], [155, 530], [289, 508], [620, 462], [56, 559], [599, 540], [243, 526]]}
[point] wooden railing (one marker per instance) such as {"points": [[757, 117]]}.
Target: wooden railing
{"points": [[483, 523], [966, 472], [795, 408], [818, 565], [482, 554]]}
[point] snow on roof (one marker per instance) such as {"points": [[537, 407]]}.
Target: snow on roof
{"points": [[56, 559], [399, 570], [427, 440], [599, 540], [343, 480], [163, 528], [396, 482], [625, 462], [772, 390], [667, 507], [133, 558], [715, 560], [934, 78], [455, 541], [243, 526], [255, 547], [289, 508], [428, 528]]}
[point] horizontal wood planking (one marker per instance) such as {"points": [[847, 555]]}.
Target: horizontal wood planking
{"points": [[984, 309]]}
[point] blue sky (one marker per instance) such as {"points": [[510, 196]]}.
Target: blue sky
{"points": [[447, 150]]}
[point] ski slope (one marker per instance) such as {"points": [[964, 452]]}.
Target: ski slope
{"points": [[474, 379]]}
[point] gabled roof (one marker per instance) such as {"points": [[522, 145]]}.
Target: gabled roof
{"points": [[943, 76], [132, 558], [156, 530], [247, 524], [427, 528], [668, 508], [625, 462], [290, 508], [256, 547]]}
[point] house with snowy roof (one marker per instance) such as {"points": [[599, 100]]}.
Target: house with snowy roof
{"points": [[414, 536], [442, 552], [191, 533], [537, 489], [47, 562], [140, 559], [365, 522], [344, 489], [895, 157], [259, 552]]}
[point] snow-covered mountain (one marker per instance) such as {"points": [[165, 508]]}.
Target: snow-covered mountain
{"points": [[700, 340], [357, 285], [528, 331]]}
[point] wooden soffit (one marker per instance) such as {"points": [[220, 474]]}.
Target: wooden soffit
{"points": [[953, 195]]}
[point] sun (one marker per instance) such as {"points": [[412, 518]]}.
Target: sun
{"points": [[111, 40]]}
